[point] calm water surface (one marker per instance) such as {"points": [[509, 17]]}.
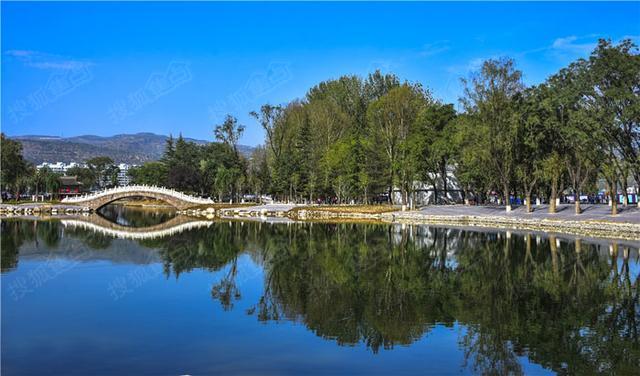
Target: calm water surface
{"points": [[249, 297]]}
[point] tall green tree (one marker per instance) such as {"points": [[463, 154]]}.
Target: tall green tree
{"points": [[104, 170], [13, 165], [229, 132], [432, 145], [489, 99], [150, 173], [391, 118], [614, 102]]}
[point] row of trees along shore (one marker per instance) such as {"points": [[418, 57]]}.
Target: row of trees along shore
{"points": [[351, 139]]}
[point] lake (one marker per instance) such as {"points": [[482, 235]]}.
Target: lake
{"points": [[252, 297]]}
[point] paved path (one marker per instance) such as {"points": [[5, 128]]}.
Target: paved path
{"points": [[630, 214]]}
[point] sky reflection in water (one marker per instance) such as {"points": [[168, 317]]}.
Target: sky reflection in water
{"points": [[253, 297]]}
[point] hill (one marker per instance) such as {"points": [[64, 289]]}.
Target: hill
{"points": [[122, 148]]}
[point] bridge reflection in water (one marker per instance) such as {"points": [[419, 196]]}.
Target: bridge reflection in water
{"points": [[98, 224], [508, 300]]}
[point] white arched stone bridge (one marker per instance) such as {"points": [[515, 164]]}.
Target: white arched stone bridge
{"points": [[172, 197]]}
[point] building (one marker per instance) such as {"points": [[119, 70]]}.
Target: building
{"points": [[59, 167], [69, 186], [123, 174], [62, 168]]}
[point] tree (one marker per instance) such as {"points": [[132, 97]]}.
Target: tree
{"points": [[104, 170], [378, 85], [575, 128], [552, 168], [223, 181], [13, 165], [84, 175], [271, 120], [46, 181], [489, 98], [258, 172], [183, 166], [390, 120], [150, 173], [229, 132], [471, 158], [531, 150], [614, 101], [432, 145]]}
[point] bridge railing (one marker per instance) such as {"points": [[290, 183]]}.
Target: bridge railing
{"points": [[138, 189]]}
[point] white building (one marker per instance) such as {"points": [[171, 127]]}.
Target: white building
{"points": [[123, 174], [59, 167], [62, 168], [425, 193]]}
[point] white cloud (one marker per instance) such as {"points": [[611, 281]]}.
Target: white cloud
{"points": [[47, 61], [435, 48], [574, 44]]}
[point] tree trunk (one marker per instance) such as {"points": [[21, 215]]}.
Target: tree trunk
{"points": [[552, 200], [637, 179], [528, 199], [443, 172], [613, 193], [577, 202], [507, 197], [434, 183]]}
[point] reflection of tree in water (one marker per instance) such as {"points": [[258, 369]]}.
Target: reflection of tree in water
{"points": [[560, 304], [352, 283], [93, 240], [17, 232], [226, 291]]}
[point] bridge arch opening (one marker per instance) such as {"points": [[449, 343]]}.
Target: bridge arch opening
{"points": [[138, 214]]}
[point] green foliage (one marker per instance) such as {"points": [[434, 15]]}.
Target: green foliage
{"points": [[229, 132], [490, 100], [150, 173], [13, 167], [104, 171], [214, 169], [84, 175]]}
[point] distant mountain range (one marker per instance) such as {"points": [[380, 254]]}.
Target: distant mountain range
{"points": [[122, 148]]}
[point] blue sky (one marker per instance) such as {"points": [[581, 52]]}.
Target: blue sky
{"points": [[107, 68]]}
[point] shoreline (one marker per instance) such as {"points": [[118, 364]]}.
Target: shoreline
{"points": [[614, 228], [595, 225]]}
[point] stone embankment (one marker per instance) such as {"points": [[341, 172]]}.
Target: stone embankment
{"points": [[35, 209], [593, 228], [311, 214], [594, 222]]}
